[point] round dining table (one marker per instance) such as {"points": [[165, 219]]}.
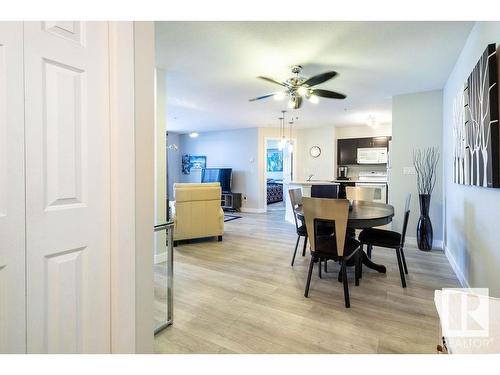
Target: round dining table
{"points": [[362, 215]]}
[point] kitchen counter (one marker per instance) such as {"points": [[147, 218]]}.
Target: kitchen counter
{"points": [[305, 186], [358, 180], [313, 182], [336, 181]]}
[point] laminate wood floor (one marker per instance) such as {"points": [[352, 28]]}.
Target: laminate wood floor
{"points": [[242, 296]]}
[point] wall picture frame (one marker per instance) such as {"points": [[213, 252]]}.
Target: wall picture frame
{"points": [[476, 152], [274, 160], [197, 162]]}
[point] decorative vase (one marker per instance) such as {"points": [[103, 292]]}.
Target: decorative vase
{"points": [[424, 226]]}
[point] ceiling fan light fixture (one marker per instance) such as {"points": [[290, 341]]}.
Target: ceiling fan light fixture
{"points": [[314, 99], [291, 103], [302, 91]]}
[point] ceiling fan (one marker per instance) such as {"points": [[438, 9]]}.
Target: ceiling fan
{"points": [[297, 88]]}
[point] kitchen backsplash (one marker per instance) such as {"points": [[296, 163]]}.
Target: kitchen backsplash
{"points": [[354, 170]]}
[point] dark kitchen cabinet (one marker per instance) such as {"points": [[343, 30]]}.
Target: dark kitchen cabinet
{"points": [[380, 141], [364, 142], [347, 149]]}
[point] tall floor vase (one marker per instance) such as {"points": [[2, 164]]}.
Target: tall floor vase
{"points": [[424, 226]]}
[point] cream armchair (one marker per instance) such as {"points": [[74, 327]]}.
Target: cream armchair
{"points": [[198, 211]]}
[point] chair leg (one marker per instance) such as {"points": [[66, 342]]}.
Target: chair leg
{"points": [[369, 250], [360, 260], [309, 274], [404, 260], [344, 281], [326, 267], [304, 248], [400, 265], [357, 268], [319, 268], [295, 251]]}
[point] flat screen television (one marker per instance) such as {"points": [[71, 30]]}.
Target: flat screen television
{"points": [[221, 175]]}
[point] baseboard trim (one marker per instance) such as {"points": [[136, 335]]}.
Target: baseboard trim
{"points": [[160, 258], [454, 266], [436, 244], [252, 210]]}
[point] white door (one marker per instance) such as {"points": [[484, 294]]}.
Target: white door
{"points": [[67, 187], [12, 247]]}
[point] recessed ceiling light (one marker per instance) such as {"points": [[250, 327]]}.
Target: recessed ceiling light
{"points": [[193, 134]]}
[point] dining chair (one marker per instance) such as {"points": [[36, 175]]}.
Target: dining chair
{"points": [[325, 191], [335, 246], [296, 202], [360, 193], [389, 239]]}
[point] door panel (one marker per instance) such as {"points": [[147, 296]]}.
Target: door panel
{"points": [[67, 187], [12, 207]]}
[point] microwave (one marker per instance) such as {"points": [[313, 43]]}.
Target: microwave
{"points": [[372, 155]]}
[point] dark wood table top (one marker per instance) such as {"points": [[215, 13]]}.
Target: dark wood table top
{"points": [[366, 214]]}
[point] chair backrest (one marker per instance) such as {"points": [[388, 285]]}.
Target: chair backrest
{"points": [[325, 191], [296, 201], [360, 193], [406, 218], [193, 192], [329, 210], [198, 211]]}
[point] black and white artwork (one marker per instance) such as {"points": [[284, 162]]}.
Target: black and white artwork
{"points": [[476, 155]]}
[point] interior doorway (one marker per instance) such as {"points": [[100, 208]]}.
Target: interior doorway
{"points": [[278, 171]]}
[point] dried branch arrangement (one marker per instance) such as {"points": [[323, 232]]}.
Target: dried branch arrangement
{"points": [[425, 163]]}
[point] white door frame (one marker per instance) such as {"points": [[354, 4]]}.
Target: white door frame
{"points": [[294, 167], [131, 46]]}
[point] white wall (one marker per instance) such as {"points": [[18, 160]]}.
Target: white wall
{"points": [[362, 131], [236, 149], [174, 163], [322, 167], [416, 123], [471, 213]]}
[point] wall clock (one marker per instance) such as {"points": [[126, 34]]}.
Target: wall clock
{"points": [[315, 151]]}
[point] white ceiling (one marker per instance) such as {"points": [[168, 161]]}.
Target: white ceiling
{"points": [[212, 68]]}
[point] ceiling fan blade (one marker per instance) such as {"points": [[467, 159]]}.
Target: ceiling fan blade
{"points": [[328, 94], [262, 97], [272, 80], [298, 102], [320, 78]]}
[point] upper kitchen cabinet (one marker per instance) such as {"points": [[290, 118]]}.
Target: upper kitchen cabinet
{"points": [[347, 149], [380, 141]]}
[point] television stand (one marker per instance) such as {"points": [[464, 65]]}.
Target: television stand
{"points": [[231, 201]]}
